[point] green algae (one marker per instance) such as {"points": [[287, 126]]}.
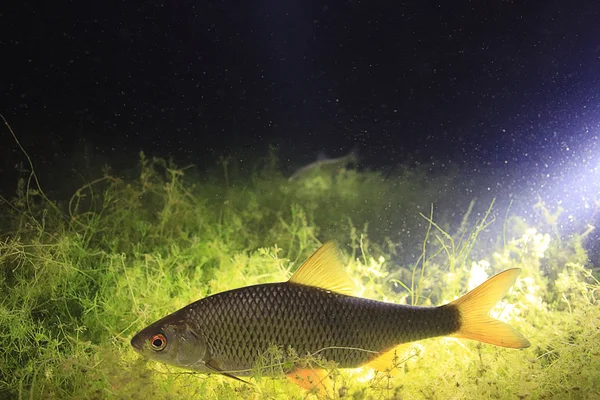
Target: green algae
{"points": [[80, 277]]}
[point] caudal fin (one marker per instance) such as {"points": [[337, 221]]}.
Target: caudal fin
{"points": [[474, 307]]}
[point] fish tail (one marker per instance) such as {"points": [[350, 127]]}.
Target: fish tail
{"points": [[473, 308]]}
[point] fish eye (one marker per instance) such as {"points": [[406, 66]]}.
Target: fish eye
{"points": [[158, 342]]}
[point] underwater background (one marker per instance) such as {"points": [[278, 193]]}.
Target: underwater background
{"points": [[80, 277], [153, 154]]}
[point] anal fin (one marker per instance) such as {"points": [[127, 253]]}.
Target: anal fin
{"points": [[388, 362]]}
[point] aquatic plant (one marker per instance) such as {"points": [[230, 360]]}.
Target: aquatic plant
{"points": [[79, 277]]}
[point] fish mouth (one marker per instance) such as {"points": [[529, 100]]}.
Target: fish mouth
{"points": [[137, 342]]}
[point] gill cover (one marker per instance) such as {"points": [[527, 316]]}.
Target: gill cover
{"points": [[171, 341]]}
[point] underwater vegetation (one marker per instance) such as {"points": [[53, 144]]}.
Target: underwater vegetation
{"points": [[80, 277]]}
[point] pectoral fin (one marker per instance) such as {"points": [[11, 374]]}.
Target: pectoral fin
{"points": [[213, 365]]}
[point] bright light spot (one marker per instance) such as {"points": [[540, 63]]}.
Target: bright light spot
{"points": [[362, 374], [477, 275], [536, 242]]}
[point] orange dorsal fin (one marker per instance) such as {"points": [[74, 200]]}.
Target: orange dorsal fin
{"points": [[324, 269], [474, 307]]}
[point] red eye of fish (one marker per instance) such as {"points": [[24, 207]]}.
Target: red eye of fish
{"points": [[158, 342]]}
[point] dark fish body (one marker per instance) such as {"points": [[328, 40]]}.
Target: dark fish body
{"points": [[242, 324], [314, 314]]}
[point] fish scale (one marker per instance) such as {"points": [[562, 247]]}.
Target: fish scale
{"points": [[241, 325]]}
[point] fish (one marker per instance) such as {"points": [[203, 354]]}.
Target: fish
{"points": [[316, 312], [325, 163]]}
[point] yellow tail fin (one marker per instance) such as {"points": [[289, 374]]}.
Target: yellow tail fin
{"points": [[474, 308]]}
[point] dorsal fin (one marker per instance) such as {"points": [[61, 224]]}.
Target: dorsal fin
{"points": [[324, 269]]}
